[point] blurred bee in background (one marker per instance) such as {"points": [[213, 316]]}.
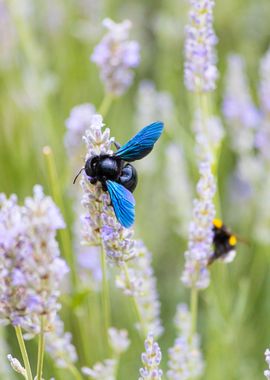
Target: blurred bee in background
{"points": [[224, 243]]}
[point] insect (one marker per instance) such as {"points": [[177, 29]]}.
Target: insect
{"points": [[224, 243], [118, 176]]}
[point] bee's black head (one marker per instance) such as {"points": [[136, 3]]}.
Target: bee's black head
{"points": [[90, 166]]}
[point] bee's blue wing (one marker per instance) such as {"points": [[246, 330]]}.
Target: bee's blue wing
{"points": [[123, 203], [141, 144]]}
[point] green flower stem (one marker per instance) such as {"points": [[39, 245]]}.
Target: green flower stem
{"points": [[135, 303], [105, 105], [41, 348], [24, 352], [194, 309], [75, 372], [105, 295], [57, 197]]}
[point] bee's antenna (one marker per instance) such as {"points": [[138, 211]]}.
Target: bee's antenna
{"points": [[75, 179]]}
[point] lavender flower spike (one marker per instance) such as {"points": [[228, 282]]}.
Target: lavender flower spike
{"points": [[267, 359], [200, 65], [195, 273], [99, 223], [185, 358], [31, 269], [116, 55], [151, 359]]}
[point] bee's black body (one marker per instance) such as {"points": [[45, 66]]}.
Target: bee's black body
{"points": [[108, 167], [223, 241]]}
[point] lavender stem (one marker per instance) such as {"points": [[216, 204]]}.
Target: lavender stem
{"points": [[23, 352], [41, 347]]}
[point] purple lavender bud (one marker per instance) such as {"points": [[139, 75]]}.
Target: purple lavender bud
{"points": [[116, 56], [200, 65]]}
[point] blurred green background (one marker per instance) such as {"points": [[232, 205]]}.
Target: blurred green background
{"points": [[45, 71]]}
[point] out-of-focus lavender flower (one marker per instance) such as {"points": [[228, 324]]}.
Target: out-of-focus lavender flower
{"points": [[141, 284], [238, 108], [116, 55], [178, 187], [185, 358], [30, 265], [264, 89], [263, 135], [208, 134], [106, 370], [102, 371], [8, 36], [195, 273], [16, 366], [89, 262], [58, 344], [151, 359], [118, 340], [267, 359], [99, 224], [78, 121], [152, 105], [200, 65]]}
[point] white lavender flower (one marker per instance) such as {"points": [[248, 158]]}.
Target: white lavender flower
{"points": [[78, 121], [151, 359], [141, 284], [30, 267], [185, 358], [116, 55], [267, 359], [99, 224], [118, 340], [59, 345], [102, 371], [200, 65], [195, 273], [16, 365]]}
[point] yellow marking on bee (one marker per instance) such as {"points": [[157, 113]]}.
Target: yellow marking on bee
{"points": [[232, 240], [217, 223]]}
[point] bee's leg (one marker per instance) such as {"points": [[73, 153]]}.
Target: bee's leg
{"points": [[117, 145]]}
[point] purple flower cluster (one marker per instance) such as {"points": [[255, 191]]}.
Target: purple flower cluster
{"points": [[99, 224], [185, 358], [195, 273], [116, 55], [200, 65], [151, 359], [31, 269]]}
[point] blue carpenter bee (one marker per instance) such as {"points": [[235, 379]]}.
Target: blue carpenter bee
{"points": [[117, 176]]}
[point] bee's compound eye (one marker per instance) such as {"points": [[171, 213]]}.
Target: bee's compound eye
{"points": [[90, 167]]}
